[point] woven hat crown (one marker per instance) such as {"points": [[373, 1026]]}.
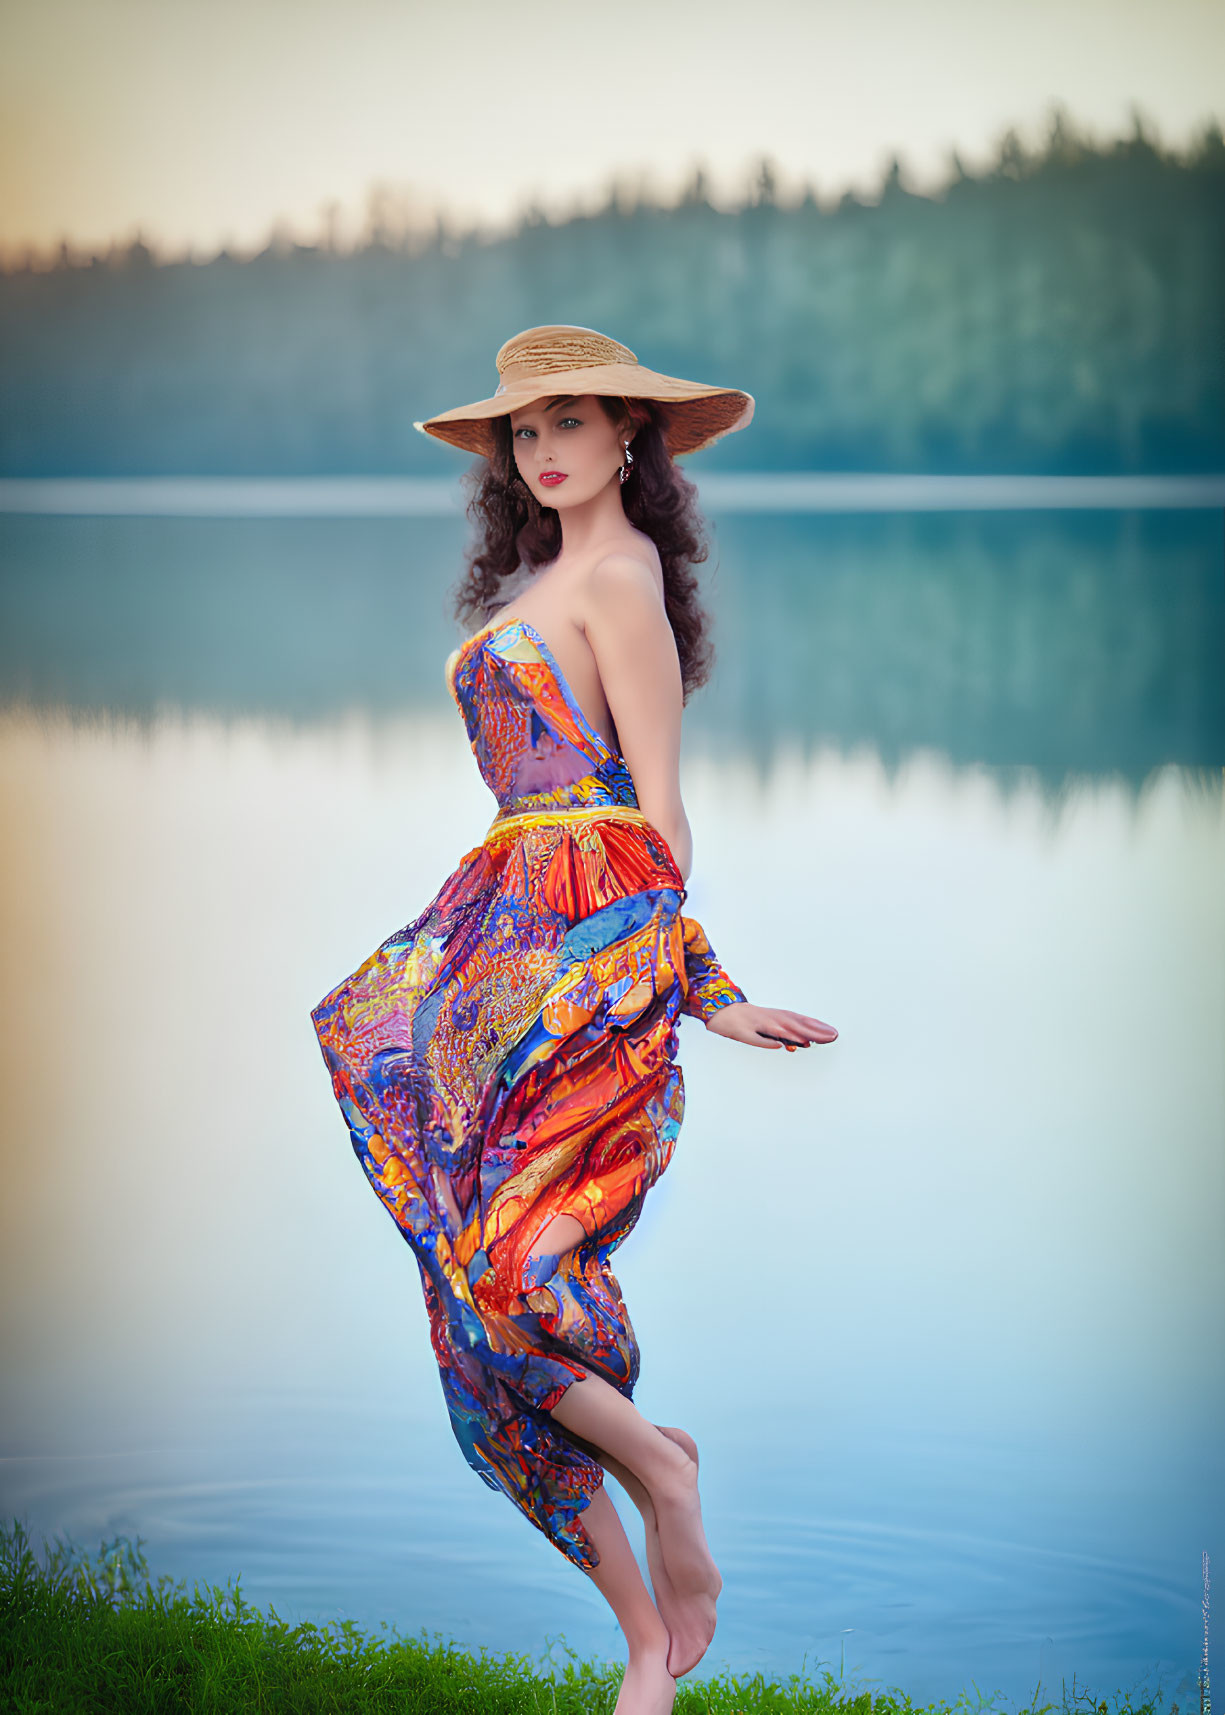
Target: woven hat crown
{"points": [[547, 351]]}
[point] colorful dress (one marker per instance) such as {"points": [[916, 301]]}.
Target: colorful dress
{"points": [[511, 1056]]}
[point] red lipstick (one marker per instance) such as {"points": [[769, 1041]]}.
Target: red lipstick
{"points": [[551, 478]]}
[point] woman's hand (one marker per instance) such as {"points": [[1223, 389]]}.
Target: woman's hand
{"points": [[769, 1026]]}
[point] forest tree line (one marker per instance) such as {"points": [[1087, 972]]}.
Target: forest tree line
{"points": [[1061, 310]]}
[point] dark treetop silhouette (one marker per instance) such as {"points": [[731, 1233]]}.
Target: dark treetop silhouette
{"points": [[1060, 311]]}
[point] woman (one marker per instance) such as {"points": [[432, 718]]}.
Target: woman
{"points": [[507, 1063]]}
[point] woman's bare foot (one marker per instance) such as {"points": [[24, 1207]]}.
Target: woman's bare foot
{"points": [[686, 1601], [678, 1513], [690, 1625], [647, 1688]]}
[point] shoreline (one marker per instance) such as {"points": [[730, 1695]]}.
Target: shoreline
{"points": [[83, 1630]]}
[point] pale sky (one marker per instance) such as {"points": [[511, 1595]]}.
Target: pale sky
{"points": [[201, 121]]}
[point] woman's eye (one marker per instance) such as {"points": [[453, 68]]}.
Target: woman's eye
{"points": [[520, 432], [570, 423]]}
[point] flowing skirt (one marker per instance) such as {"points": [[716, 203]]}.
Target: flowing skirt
{"points": [[508, 1057]]}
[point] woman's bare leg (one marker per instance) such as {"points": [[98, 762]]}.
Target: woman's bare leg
{"points": [[595, 1412], [688, 1641], [658, 1469], [647, 1688]]}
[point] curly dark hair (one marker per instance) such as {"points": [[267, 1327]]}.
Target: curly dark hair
{"points": [[512, 528]]}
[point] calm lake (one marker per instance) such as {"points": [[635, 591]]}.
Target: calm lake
{"points": [[942, 1303]]}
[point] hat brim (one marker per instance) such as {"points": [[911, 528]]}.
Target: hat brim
{"points": [[692, 414]]}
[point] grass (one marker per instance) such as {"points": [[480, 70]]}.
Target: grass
{"points": [[82, 1632]]}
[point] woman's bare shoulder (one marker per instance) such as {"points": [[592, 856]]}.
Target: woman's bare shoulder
{"points": [[629, 572]]}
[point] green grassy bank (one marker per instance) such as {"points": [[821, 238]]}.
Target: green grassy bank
{"points": [[97, 1633]]}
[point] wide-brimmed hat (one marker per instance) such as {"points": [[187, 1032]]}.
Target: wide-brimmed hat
{"points": [[543, 363]]}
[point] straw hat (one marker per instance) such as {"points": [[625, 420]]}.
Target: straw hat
{"points": [[543, 363]]}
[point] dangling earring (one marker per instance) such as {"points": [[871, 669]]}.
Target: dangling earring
{"points": [[628, 465]]}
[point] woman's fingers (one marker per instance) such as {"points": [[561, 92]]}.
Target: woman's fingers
{"points": [[794, 1029], [771, 1027], [816, 1028]]}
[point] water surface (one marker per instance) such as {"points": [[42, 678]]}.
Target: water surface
{"points": [[942, 1302]]}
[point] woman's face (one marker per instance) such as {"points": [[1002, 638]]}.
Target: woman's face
{"points": [[567, 449]]}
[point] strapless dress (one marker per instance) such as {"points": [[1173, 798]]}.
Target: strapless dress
{"points": [[510, 1055]]}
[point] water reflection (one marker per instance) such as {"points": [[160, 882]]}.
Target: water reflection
{"points": [[1069, 644], [943, 1302]]}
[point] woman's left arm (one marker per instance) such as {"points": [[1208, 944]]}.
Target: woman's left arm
{"points": [[627, 628]]}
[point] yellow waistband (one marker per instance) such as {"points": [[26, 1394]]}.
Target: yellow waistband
{"points": [[545, 818]]}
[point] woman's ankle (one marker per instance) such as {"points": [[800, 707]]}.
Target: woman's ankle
{"points": [[649, 1640]]}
